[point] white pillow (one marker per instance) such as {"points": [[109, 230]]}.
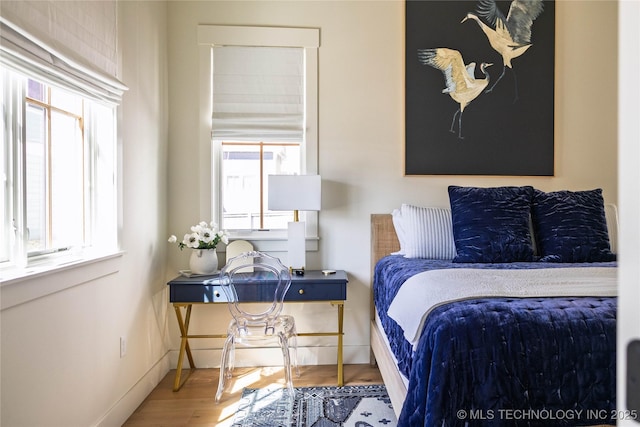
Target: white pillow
{"points": [[427, 232]]}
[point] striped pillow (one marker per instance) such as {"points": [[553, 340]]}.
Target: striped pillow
{"points": [[427, 232]]}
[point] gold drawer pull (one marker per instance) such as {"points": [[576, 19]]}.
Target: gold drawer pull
{"points": [[301, 291]]}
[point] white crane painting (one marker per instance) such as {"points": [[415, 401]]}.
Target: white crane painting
{"points": [[465, 111]]}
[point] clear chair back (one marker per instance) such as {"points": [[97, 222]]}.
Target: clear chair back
{"points": [[255, 276]]}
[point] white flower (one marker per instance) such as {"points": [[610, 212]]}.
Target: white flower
{"points": [[207, 235], [203, 236], [191, 240]]}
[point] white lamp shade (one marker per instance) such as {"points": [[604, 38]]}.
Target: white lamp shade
{"points": [[294, 192]]}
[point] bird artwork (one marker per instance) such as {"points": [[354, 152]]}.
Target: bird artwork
{"points": [[510, 36], [462, 85], [472, 124]]}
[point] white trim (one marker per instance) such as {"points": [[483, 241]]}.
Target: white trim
{"points": [[119, 413], [230, 35], [23, 285], [209, 179]]}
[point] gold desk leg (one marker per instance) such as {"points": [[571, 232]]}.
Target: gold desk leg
{"points": [[340, 334], [184, 345]]}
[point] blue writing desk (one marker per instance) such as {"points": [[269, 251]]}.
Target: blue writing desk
{"points": [[314, 286]]}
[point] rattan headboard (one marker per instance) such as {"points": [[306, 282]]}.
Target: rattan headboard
{"points": [[384, 241], [383, 237]]}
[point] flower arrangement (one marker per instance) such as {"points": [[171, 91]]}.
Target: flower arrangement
{"points": [[202, 236]]}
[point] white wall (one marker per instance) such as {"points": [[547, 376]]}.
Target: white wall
{"points": [[61, 364], [361, 131]]}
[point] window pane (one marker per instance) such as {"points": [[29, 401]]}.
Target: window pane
{"points": [[36, 90], [66, 101], [54, 173], [241, 183], [67, 199], [36, 174], [103, 197], [279, 160]]}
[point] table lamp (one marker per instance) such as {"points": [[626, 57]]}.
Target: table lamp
{"points": [[295, 193]]}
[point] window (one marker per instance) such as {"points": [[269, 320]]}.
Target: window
{"points": [[257, 122], [59, 93], [58, 170], [259, 86]]}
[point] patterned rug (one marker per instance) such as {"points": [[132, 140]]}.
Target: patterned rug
{"points": [[356, 406]]}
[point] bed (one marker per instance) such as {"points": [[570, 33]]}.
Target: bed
{"points": [[491, 357]]}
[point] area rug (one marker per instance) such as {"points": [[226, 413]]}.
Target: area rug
{"points": [[361, 406]]}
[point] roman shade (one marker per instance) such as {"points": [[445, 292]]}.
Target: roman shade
{"points": [[258, 94], [66, 44]]}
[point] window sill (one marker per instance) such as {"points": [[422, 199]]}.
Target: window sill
{"points": [[21, 285], [271, 241]]}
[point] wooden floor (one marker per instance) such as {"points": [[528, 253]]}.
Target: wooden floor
{"points": [[194, 404]]}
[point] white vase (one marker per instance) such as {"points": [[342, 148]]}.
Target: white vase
{"points": [[203, 261]]}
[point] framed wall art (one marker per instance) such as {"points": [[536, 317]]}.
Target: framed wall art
{"points": [[480, 87]]}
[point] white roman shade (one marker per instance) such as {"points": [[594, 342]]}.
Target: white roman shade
{"points": [[258, 94], [68, 44]]}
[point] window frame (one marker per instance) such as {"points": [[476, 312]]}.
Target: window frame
{"points": [[210, 153], [97, 244]]}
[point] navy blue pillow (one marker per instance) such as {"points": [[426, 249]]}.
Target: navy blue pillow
{"points": [[491, 224], [570, 226]]}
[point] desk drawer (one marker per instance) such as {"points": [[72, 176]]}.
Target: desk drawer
{"points": [[197, 293], [317, 292]]}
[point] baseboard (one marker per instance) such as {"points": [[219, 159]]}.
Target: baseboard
{"points": [[250, 357], [123, 408]]}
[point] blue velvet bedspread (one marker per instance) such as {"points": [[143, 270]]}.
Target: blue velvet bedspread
{"points": [[504, 361]]}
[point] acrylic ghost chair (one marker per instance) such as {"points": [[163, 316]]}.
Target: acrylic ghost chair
{"points": [[269, 280]]}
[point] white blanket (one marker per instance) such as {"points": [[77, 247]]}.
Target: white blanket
{"points": [[427, 290]]}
